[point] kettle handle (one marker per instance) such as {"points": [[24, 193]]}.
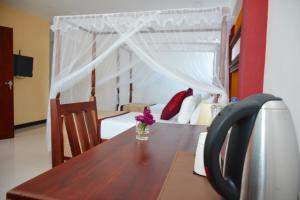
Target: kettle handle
{"points": [[216, 136], [244, 111]]}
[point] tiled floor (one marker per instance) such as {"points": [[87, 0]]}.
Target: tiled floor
{"points": [[23, 157]]}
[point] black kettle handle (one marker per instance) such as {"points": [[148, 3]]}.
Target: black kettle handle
{"points": [[216, 136]]}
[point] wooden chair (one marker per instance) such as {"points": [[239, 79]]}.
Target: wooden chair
{"points": [[81, 125]]}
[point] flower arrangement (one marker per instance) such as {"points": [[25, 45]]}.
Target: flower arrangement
{"points": [[143, 122], [146, 118]]}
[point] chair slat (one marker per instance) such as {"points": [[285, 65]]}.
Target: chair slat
{"points": [[82, 131], [94, 117], [91, 128], [72, 135]]}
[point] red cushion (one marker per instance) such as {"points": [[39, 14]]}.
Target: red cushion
{"points": [[174, 105], [189, 92]]}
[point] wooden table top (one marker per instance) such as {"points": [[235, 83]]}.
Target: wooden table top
{"points": [[121, 168]]}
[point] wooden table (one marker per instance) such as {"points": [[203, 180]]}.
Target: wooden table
{"points": [[121, 168]]}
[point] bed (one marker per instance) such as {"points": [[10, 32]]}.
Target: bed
{"points": [[114, 123]]}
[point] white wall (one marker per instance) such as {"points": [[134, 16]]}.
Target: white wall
{"points": [[236, 6], [282, 69]]}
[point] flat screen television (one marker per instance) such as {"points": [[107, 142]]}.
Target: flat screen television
{"points": [[23, 66]]}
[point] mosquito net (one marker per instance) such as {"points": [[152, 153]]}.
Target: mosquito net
{"points": [[158, 52]]}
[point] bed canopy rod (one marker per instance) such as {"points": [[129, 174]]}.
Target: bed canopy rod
{"points": [[149, 31], [211, 48], [188, 43], [223, 10]]}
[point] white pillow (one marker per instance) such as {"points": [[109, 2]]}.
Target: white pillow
{"points": [[195, 115], [187, 108], [204, 117], [198, 98], [209, 99]]}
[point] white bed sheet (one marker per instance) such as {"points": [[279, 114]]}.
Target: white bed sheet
{"points": [[114, 126]]}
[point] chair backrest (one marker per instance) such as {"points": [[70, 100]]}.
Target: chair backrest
{"points": [[81, 124]]}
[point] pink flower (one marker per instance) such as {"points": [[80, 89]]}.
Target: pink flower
{"points": [[149, 120], [139, 118], [146, 118], [147, 111]]}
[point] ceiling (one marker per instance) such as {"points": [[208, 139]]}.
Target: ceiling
{"points": [[49, 8]]}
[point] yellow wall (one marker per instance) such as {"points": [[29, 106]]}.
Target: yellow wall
{"points": [[234, 76], [31, 36], [238, 22]]}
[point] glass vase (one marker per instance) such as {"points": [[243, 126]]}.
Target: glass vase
{"points": [[142, 131]]}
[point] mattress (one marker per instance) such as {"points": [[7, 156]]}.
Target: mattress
{"points": [[113, 126]]}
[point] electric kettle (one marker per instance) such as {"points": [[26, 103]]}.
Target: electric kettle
{"points": [[261, 159]]}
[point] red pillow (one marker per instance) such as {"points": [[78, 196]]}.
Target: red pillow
{"points": [[173, 106], [189, 92]]}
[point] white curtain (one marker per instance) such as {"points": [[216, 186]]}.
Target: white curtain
{"points": [[159, 52]]}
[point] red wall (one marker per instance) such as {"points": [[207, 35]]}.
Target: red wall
{"points": [[253, 47]]}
